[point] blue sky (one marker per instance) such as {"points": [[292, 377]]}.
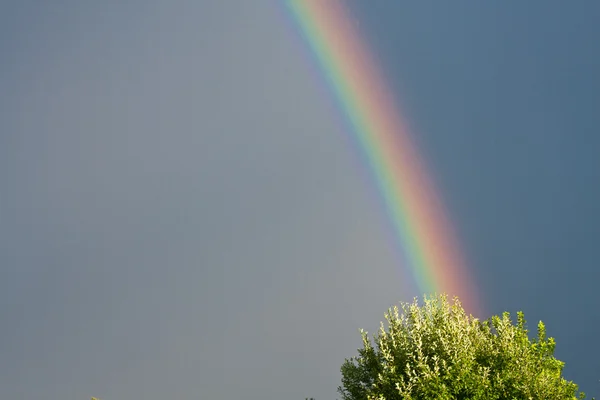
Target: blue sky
{"points": [[181, 215]]}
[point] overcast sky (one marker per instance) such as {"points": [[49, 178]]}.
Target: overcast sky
{"points": [[181, 214]]}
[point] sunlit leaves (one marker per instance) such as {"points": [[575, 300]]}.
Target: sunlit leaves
{"points": [[437, 351]]}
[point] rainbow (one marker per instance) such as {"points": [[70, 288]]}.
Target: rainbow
{"points": [[418, 219]]}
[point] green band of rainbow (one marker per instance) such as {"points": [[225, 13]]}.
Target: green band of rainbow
{"points": [[416, 213]]}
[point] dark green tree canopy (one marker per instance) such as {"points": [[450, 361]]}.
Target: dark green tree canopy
{"points": [[437, 351]]}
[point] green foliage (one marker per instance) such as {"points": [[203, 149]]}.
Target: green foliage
{"points": [[437, 351]]}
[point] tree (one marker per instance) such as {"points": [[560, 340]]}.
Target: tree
{"points": [[437, 351]]}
